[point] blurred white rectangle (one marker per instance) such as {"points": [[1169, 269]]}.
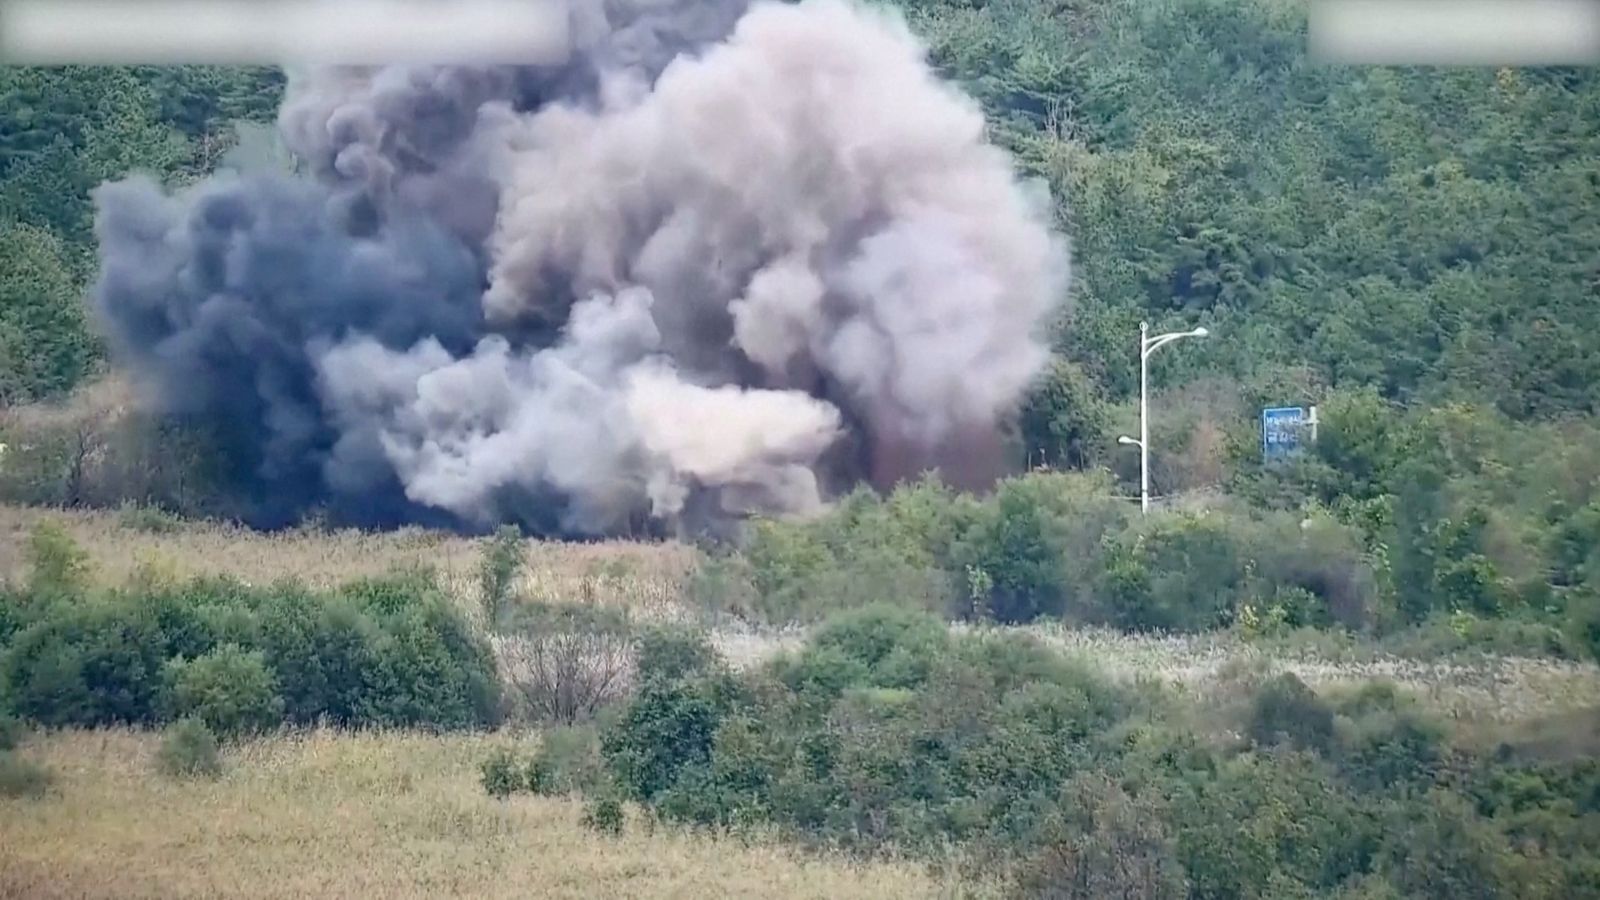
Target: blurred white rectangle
{"points": [[1456, 32], [265, 32]]}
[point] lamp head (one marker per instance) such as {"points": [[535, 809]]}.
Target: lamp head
{"points": [[1200, 332], [1124, 439]]}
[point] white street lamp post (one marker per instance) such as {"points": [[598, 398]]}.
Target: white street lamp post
{"points": [[1147, 346]]}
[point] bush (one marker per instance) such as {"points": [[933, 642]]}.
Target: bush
{"points": [[1386, 740], [1285, 710], [502, 775], [667, 729], [189, 750], [1449, 853], [568, 760], [1032, 548], [670, 653], [59, 566], [230, 689], [11, 732], [428, 667], [867, 549], [894, 647], [1583, 626], [603, 813], [89, 664], [1179, 572], [566, 662], [324, 651], [13, 614], [497, 572], [722, 584], [148, 519], [1100, 842], [389, 651]]}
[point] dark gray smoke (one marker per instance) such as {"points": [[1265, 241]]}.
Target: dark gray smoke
{"points": [[718, 260]]}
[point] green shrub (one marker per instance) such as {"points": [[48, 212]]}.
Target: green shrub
{"points": [[894, 647], [1286, 710], [1100, 842], [22, 778], [230, 689], [568, 760], [148, 519], [189, 750], [430, 669], [603, 813], [667, 728], [1583, 626], [502, 775], [1177, 572], [59, 566], [669, 653], [11, 732], [1386, 740], [1271, 824], [385, 651], [14, 611], [324, 651], [723, 584], [1449, 853], [866, 549], [498, 570], [1312, 568], [1065, 420], [877, 732], [1028, 546], [1020, 566], [91, 663]]}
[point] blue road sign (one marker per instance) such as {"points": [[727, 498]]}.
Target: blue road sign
{"points": [[1280, 431]]}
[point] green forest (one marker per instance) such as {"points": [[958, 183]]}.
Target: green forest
{"points": [[1414, 251]]}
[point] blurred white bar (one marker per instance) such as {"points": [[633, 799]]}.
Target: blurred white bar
{"points": [[1455, 32], [268, 32]]}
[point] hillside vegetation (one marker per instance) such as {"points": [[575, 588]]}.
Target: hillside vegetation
{"points": [[1364, 672]]}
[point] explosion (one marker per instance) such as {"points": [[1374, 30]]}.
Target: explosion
{"points": [[720, 259]]}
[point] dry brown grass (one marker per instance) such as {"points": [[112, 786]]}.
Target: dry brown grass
{"points": [[644, 576], [327, 814]]}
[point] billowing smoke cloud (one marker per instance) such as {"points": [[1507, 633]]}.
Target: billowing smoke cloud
{"points": [[718, 260]]}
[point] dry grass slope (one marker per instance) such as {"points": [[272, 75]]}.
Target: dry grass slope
{"points": [[326, 814], [647, 577]]}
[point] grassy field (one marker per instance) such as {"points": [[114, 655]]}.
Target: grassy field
{"points": [[647, 577], [325, 814]]}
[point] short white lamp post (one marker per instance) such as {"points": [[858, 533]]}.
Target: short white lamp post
{"points": [[1147, 346]]}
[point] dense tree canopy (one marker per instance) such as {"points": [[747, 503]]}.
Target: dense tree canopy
{"points": [[62, 132]]}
